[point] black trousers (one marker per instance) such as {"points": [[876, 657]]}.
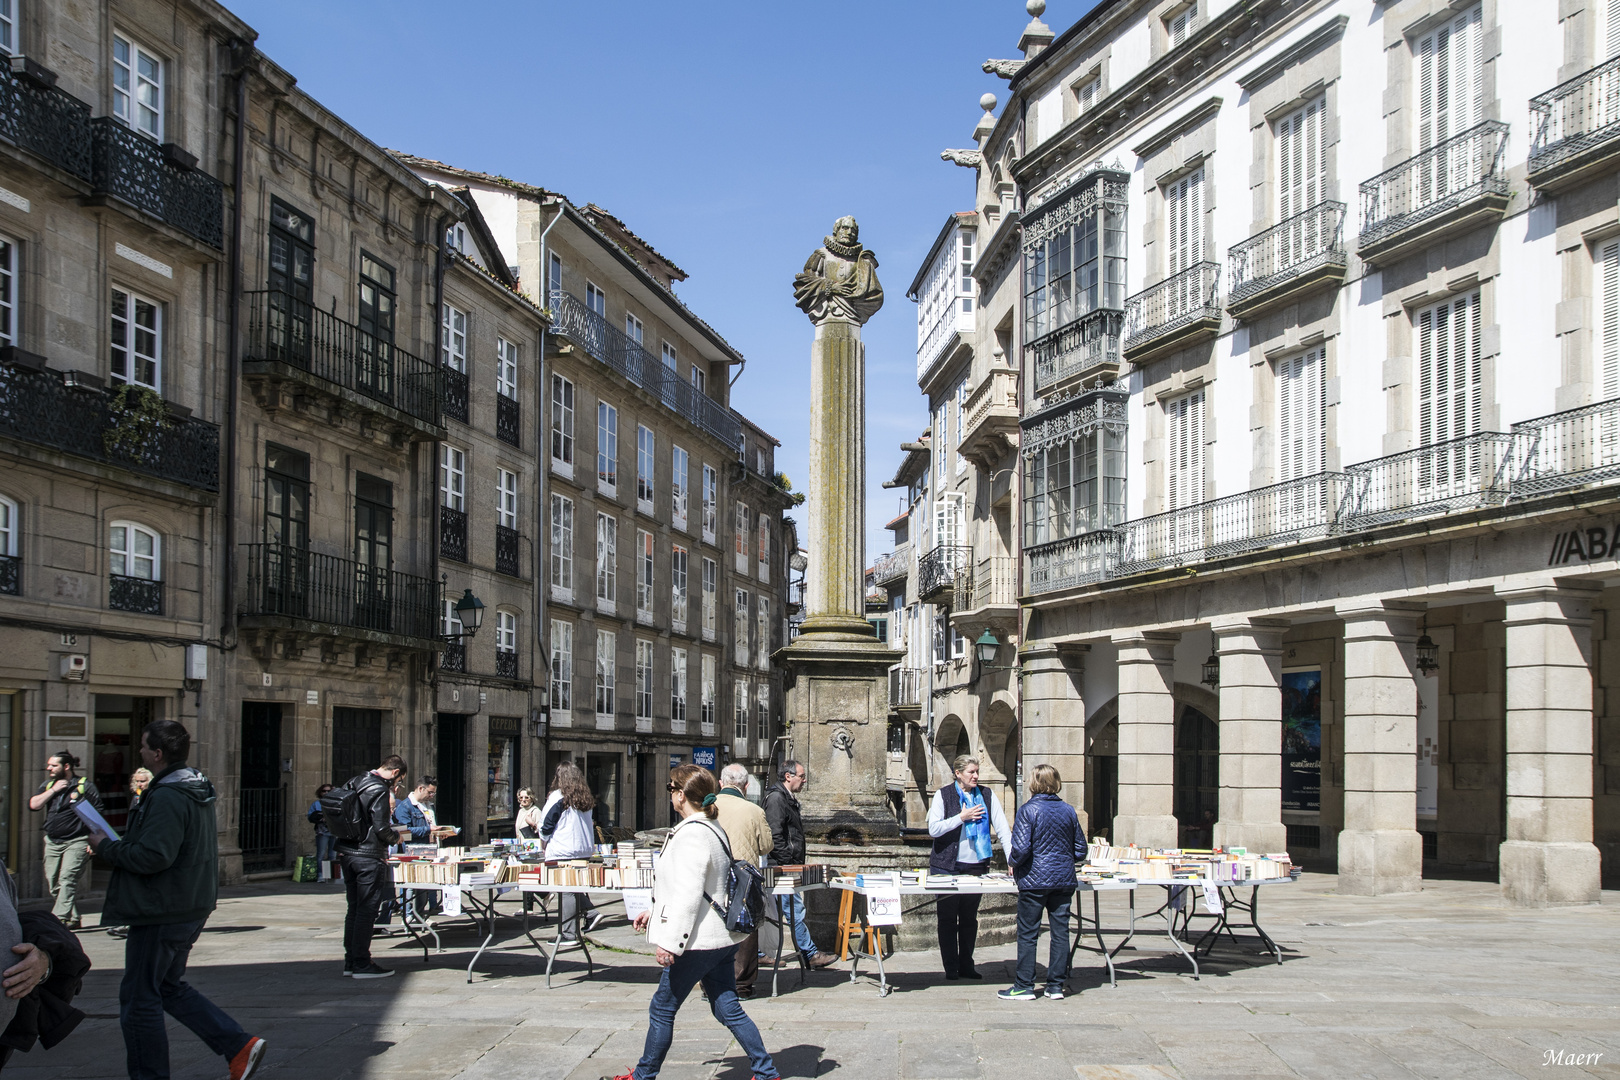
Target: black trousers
{"points": [[959, 924], [366, 883]]}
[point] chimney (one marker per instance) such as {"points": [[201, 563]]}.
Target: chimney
{"points": [[1037, 35]]}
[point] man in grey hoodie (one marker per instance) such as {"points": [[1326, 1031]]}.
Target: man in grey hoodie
{"points": [[164, 884]]}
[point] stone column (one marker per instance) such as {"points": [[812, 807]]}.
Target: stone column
{"points": [[1548, 856], [1054, 725], [1147, 740], [1251, 735], [1380, 851]]}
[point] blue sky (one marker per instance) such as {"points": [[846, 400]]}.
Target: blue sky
{"points": [[730, 135]]}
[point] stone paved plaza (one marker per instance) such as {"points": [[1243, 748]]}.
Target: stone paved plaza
{"points": [[1449, 983]]}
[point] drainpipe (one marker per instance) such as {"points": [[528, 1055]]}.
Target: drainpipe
{"points": [[233, 344], [438, 444], [542, 465]]}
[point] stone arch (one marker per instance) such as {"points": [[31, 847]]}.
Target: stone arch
{"points": [[998, 740], [952, 738]]}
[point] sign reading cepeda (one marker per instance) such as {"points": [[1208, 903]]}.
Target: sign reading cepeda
{"points": [[1584, 545]]}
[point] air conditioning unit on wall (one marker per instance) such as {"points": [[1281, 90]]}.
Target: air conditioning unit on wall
{"points": [[75, 666]]}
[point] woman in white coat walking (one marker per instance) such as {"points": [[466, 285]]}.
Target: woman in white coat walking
{"points": [[690, 935]]}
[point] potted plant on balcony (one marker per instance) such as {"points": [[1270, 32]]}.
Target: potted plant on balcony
{"points": [[136, 417]]}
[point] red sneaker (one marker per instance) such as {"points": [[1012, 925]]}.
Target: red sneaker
{"points": [[246, 1061], [631, 1075]]}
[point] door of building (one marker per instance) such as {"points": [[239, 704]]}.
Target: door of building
{"points": [[1197, 785], [647, 793], [261, 818], [602, 777], [452, 800], [119, 722], [373, 550], [356, 742]]}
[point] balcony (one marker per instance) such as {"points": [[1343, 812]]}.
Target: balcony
{"points": [[1457, 185], [37, 406], [46, 122], [508, 420], [1073, 561], [10, 575], [1459, 474], [454, 657], [950, 324], [328, 595], [294, 348], [905, 688], [508, 545], [584, 328], [937, 571], [1567, 450], [141, 595], [453, 534], [162, 181], [1179, 311], [1288, 260], [893, 566], [456, 405], [990, 418], [987, 592], [1575, 129], [506, 664], [1086, 347]]}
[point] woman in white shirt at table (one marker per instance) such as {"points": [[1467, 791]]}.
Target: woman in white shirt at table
{"points": [[690, 935], [961, 819], [569, 834]]}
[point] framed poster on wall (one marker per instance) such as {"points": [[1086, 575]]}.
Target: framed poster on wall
{"points": [[1302, 739]]}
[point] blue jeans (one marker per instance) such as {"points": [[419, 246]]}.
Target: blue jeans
{"points": [[325, 847], [154, 984], [1032, 904], [793, 908], [713, 968]]}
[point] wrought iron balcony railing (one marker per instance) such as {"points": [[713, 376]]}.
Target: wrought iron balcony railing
{"points": [[989, 583], [291, 331], [1567, 450], [156, 180], [571, 319], [1288, 252], [506, 664], [905, 687], [454, 657], [938, 570], [45, 121], [1088, 344], [893, 566], [508, 544], [456, 405], [1444, 178], [1177, 303], [142, 595], [1574, 118], [1073, 561], [453, 533], [293, 583], [1459, 474], [508, 420], [10, 575], [37, 407]]}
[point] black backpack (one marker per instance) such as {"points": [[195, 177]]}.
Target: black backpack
{"points": [[346, 813], [744, 909]]}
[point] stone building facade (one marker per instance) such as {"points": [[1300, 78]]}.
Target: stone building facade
{"points": [[1314, 485]]}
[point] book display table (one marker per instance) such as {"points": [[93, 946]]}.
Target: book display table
{"points": [[1230, 906], [477, 902]]}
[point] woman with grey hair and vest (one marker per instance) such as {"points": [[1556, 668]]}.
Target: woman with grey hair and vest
{"points": [[961, 819]]}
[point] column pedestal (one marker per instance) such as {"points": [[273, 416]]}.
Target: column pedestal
{"points": [[1380, 851], [1548, 857], [1251, 736], [1147, 743]]}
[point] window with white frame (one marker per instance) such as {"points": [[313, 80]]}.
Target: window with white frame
{"points": [[450, 623], [453, 478], [455, 238], [960, 406], [8, 27], [948, 524], [633, 328], [562, 667], [711, 585], [1301, 152], [941, 441], [700, 379], [941, 639], [706, 693], [8, 288], [1087, 93], [135, 551], [137, 340], [562, 544], [739, 630], [607, 447], [711, 503], [9, 524], [958, 644], [762, 711], [506, 368], [762, 634], [1184, 218], [506, 506], [671, 363], [740, 532], [607, 645], [562, 422], [1184, 467], [741, 704], [764, 547], [1450, 379], [1301, 421], [137, 87], [554, 273], [677, 689], [607, 559], [646, 456], [679, 483], [644, 680], [1180, 24], [453, 350], [506, 627], [644, 575], [679, 561], [1607, 265], [965, 271], [1450, 78], [595, 299]]}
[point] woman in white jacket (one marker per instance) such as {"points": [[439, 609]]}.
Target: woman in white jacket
{"points": [[691, 937]]}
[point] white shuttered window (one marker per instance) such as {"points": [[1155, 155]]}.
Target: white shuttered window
{"points": [[1184, 203], [1301, 427], [1185, 467], [1451, 79]]}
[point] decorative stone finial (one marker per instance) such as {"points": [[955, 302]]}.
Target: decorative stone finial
{"points": [[1036, 8], [1037, 35], [987, 102]]}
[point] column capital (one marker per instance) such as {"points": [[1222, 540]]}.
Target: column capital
{"points": [[1267, 633], [1394, 619], [1156, 647], [1549, 601]]}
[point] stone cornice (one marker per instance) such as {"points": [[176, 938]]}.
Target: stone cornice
{"points": [[1329, 31]]}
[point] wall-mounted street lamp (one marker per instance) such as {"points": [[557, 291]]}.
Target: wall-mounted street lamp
{"points": [[984, 650], [1212, 670], [1428, 653], [470, 614]]}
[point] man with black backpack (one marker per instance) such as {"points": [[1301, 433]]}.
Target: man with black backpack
{"points": [[362, 821]]}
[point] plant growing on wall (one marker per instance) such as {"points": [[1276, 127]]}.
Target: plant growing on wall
{"points": [[135, 417]]}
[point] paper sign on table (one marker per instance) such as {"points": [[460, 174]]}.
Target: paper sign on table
{"points": [[452, 900], [883, 906], [636, 902], [1212, 898], [92, 817]]}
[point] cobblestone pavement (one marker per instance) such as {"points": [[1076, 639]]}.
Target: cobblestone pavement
{"points": [[1449, 983]]}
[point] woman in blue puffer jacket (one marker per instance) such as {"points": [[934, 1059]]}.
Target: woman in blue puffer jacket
{"points": [[1047, 844]]}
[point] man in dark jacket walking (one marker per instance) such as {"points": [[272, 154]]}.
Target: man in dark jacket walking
{"points": [[786, 820], [164, 884], [1047, 844], [366, 878]]}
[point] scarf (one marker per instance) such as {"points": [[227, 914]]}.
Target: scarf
{"points": [[976, 833]]}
